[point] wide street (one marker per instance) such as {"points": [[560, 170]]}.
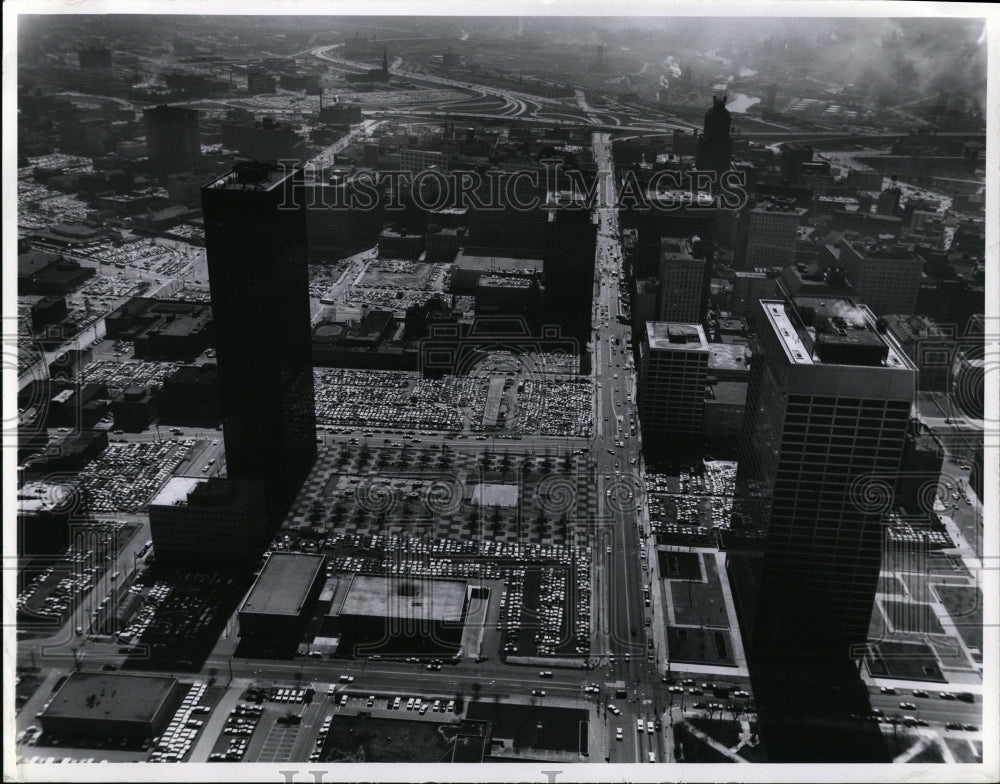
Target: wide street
{"points": [[633, 653]]}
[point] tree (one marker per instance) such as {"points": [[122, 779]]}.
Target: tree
{"points": [[477, 687]]}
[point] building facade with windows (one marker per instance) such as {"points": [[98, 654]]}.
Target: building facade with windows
{"points": [[826, 417], [255, 240], [673, 375]]}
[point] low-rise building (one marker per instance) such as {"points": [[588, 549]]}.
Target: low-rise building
{"points": [[277, 607], [116, 705]]}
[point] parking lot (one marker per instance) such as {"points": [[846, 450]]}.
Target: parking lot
{"points": [[126, 475], [112, 287], [544, 608], [690, 503], [40, 206], [118, 375], [181, 610], [402, 275], [554, 408], [390, 400], [54, 590], [438, 491], [143, 254], [175, 744], [545, 611]]}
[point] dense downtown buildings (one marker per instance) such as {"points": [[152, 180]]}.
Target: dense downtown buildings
{"points": [[456, 390]]}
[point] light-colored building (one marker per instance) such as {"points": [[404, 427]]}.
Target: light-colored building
{"points": [[771, 234], [415, 161]]}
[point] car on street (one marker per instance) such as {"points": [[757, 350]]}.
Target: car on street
{"points": [[538, 692], [919, 693], [618, 734]]}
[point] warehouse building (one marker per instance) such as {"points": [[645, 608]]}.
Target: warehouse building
{"points": [[398, 615], [102, 705], [278, 604]]}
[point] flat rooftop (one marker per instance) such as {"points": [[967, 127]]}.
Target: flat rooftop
{"points": [[488, 494], [676, 337], [399, 597], [251, 177], [110, 696], [499, 259], [774, 208], [857, 321], [730, 392], [504, 282], [871, 250], [283, 584], [727, 357], [210, 492], [674, 249]]}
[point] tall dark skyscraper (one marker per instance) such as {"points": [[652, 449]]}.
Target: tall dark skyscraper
{"points": [[824, 428], [173, 139], [715, 146], [255, 238], [826, 419]]}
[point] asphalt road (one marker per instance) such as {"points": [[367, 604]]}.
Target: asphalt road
{"points": [[620, 483]]}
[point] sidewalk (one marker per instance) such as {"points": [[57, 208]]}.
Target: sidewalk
{"points": [[735, 638]]}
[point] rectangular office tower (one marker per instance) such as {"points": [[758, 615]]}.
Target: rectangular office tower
{"points": [[826, 418], [173, 139], [673, 373], [683, 270], [255, 239]]}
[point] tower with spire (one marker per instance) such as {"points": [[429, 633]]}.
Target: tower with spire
{"points": [[715, 144]]}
